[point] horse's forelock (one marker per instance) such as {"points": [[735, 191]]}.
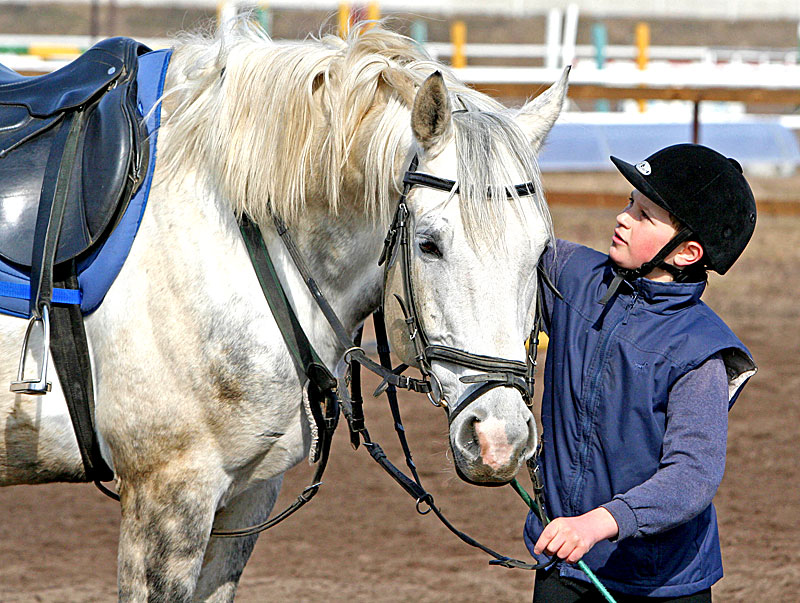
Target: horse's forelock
{"points": [[493, 153]]}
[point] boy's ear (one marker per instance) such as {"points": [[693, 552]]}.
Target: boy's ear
{"points": [[689, 253]]}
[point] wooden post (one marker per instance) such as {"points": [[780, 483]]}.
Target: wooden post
{"points": [[553, 38], [111, 18], [570, 34], [226, 12], [642, 55], [344, 19], [797, 53], [599, 41], [94, 20], [458, 36]]}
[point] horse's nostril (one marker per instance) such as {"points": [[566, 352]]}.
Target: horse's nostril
{"points": [[467, 441]]}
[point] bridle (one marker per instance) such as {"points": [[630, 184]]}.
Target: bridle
{"points": [[328, 399], [497, 372]]}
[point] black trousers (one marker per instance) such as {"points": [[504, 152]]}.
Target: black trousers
{"points": [[550, 587]]}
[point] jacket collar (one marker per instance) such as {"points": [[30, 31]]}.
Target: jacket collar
{"points": [[660, 296]]}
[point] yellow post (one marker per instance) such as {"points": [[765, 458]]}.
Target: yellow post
{"points": [[458, 36], [344, 19], [373, 14], [642, 54], [53, 52]]}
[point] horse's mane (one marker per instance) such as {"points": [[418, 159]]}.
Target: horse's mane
{"points": [[271, 120]]}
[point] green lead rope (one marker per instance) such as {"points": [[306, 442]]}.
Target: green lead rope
{"points": [[581, 565]]}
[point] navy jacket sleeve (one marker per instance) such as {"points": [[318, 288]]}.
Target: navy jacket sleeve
{"points": [[693, 459]]}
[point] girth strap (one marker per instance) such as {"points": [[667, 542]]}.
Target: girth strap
{"points": [[68, 343], [70, 352]]}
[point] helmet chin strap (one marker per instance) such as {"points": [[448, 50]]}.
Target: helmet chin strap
{"points": [[631, 274]]}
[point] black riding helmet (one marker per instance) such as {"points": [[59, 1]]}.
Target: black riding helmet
{"points": [[706, 192]]}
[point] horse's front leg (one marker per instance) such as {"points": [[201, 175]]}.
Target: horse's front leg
{"points": [[225, 558], [166, 522]]}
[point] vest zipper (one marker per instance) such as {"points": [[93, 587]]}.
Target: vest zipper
{"points": [[588, 423], [629, 309]]}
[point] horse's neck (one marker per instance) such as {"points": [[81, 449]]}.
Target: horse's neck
{"points": [[208, 261], [341, 253]]}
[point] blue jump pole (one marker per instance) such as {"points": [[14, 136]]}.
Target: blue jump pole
{"points": [[419, 31], [600, 41]]}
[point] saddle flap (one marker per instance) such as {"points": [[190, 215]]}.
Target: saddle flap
{"points": [[17, 126]]}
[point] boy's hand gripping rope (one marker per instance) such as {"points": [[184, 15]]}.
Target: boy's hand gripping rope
{"points": [[535, 507]]}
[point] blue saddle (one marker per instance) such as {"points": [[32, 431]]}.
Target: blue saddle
{"points": [[97, 233]]}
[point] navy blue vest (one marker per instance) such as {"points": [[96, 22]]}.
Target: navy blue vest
{"points": [[608, 375]]}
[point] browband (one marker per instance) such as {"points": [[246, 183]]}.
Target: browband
{"points": [[442, 184]]}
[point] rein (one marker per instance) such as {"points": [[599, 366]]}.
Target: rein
{"points": [[326, 402]]}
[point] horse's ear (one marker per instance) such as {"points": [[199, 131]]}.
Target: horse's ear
{"points": [[431, 115], [538, 116]]}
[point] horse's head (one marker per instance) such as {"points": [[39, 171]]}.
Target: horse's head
{"points": [[468, 272]]}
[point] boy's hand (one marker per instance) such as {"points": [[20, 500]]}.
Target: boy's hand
{"points": [[570, 538]]}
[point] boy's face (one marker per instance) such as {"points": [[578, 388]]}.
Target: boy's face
{"points": [[643, 228]]}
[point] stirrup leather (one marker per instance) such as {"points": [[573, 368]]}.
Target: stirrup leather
{"points": [[40, 385]]}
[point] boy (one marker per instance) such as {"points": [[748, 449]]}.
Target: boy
{"points": [[639, 378]]}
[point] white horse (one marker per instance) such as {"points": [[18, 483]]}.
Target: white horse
{"points": [[198, 405]]}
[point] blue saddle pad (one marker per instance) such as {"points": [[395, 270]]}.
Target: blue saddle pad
{"points": [[97, 272]]}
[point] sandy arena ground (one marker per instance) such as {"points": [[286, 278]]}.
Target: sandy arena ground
{"points": [[361, 539]]}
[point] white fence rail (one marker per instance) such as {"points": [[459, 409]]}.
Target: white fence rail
{"points": [[703, 54], [708, 9], [13, 44]]}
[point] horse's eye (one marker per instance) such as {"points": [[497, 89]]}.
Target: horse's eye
{"points": [[430, 248]]}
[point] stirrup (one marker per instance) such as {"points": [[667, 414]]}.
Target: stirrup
{"points": [[40, 385]]}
